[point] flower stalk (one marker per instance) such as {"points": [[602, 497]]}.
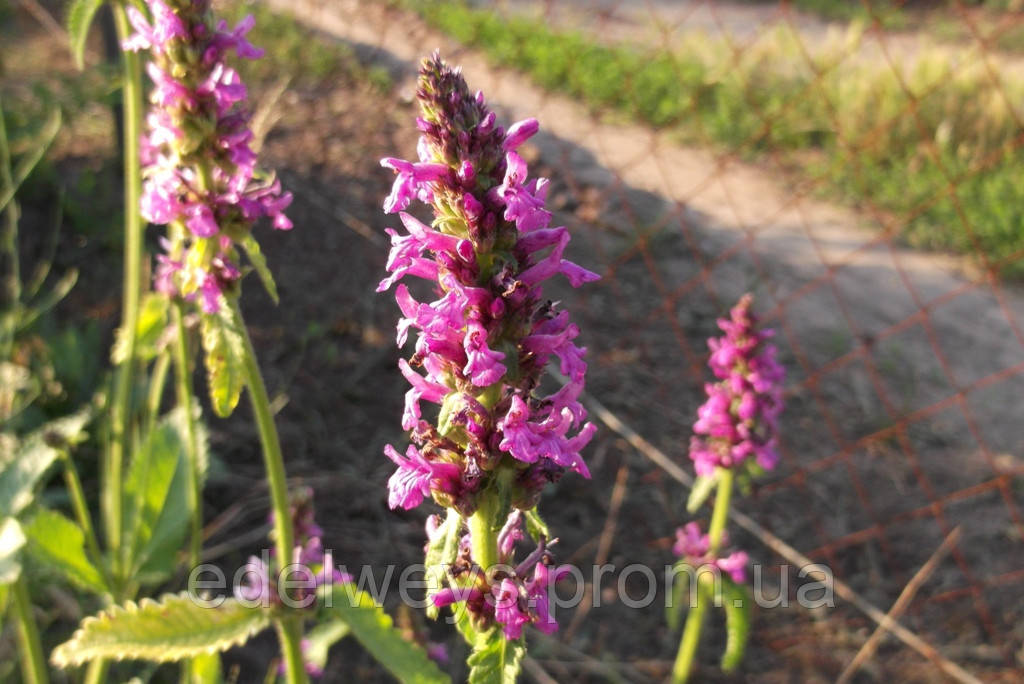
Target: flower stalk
{"points": [[131, 291], [33, 665]]}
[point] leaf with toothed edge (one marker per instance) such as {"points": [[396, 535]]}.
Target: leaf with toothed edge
{"points": [[80, 18], [259, 264], [375, 630], [495, 659], [224, 348], [737, 603], [174, 628]]}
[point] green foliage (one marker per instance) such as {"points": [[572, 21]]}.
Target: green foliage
{"points": [[12, 539], [848, 124], [441, 552], [37, 147], [156, 497], [23, 467], [320, 639], [738, 608], [495, 659], [703, 486], [535, 525], [259, 264], [58, 543], [149, 332], [205, 669], [80, 16], [174, 628], [375, 630], [224, 347]]}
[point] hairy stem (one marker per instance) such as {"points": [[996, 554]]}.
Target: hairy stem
{"points": [[33, 666], [120, 407], [695, 618], [185, 394], [287, 628]]}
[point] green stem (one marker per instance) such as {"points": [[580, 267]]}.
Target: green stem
{"points": [[695, 618], [33, 666], [483, 538], [10, 287], [97, 672], [185, 394], [120, 409], [287, 628], [74, 486], [157, 380]]}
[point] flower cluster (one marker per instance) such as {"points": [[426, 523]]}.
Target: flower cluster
{"points": [[511, 596], [483, 343], [695, 549], [309, 557], [739, 420], [200, 170]]}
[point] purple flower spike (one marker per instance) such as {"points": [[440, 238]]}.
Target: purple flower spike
{"points": [[483, 343], [739, 419], [694, 548], [199, 168]]}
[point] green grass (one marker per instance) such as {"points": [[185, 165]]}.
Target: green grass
{"points": [[290, 48], [946, 164]]}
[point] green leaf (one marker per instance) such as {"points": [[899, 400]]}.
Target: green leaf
{"points": [[21, 469], [318, 641], [738, 605], [80, 18], [205, 669], [703, 486], [57, 542], [174, 628], [158, 496], [441, 553], [11, 541], [149, 330], [39, 145], [495, 659], [375, 630], [535, 526], [259, 264], [224, 358]]}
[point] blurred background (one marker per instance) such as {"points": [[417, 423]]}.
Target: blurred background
{"points": [[858, 166]]}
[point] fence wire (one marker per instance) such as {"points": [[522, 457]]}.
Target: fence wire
{"points": [[906, 364]]}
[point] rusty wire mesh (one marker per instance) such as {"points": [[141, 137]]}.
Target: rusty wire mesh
{"points": [[906, 367]]}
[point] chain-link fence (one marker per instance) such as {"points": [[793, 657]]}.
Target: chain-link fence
{"points": [[858, 167]]}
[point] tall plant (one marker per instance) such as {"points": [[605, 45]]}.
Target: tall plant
{"points": [[496, 438]]}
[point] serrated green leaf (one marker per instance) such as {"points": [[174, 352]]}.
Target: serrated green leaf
{"points": [[11, 541], [21, 469], [149, 330], [441, 553], [495, 659], [42, 142], [738, 605], [80, 17], [59, 543], [535, 525], [318, 641], [259, 264], [205, 669], [375, 630], [224, 356], [173, 628], [703, 486]]}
